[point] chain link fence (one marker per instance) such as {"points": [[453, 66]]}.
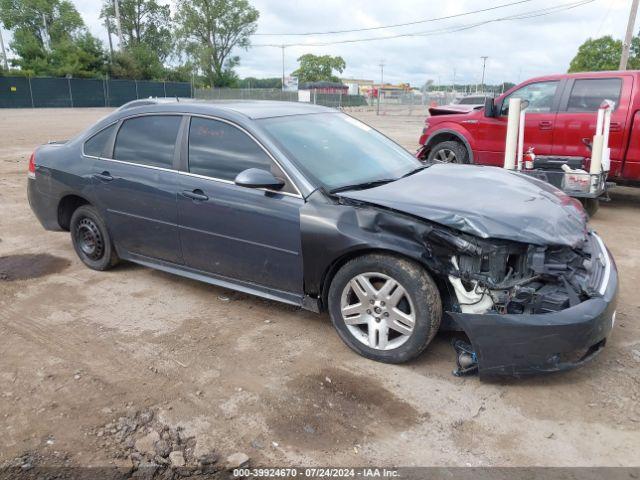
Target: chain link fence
{"points": [[37, 92], [410, 103], [389, 103], [332, 100]]}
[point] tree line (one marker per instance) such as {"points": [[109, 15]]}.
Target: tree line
{"points": [[601, 54], [146, 42]]}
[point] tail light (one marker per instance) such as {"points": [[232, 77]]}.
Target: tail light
{"points": [[32, 165]]}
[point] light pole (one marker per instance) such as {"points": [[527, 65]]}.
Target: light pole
{"points": [[624, 59], [282, 67], [484, 66], [5, 63], [116, 8]]}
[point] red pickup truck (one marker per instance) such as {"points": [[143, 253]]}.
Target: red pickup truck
{"points": [[560, 122]]}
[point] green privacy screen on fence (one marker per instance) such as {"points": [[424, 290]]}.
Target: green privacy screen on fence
{"points": [[23, 92]]}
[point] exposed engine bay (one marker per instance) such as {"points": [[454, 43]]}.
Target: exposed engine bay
{"points": [[507, 277]]}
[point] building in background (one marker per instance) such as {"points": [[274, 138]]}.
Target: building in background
{"points": [[357, 86], [326, 87]]}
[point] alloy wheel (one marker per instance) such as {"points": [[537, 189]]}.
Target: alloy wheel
{"points": [[446, 155], [377, 311]]}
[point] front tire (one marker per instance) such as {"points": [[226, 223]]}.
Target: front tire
{"points": [[448, 152], [91, 239], [384, 307]]}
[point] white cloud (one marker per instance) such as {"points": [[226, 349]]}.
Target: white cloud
{"points": [[517, 49]]}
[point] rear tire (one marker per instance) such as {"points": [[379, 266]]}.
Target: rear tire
{"points": [[448, 152], [91, 239], [384, 307]]}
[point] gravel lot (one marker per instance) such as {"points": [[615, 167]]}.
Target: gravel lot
{"points": [[83, 350]]}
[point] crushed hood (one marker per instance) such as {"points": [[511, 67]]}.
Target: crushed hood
{"points": [[488, 202]]}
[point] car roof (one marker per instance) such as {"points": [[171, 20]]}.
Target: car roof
{"points": [[253, 109]]}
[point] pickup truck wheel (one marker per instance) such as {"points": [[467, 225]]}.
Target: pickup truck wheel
{"points": [[91, 239], [591, 205], [384, 307], [448, 152]]}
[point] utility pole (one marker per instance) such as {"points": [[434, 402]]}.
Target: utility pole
{"points": [[5, 63], [454, 80], [624, 59], [381, 72], [484, 66], [282, 46], [46, 40], [108, 24], [116, 7]]}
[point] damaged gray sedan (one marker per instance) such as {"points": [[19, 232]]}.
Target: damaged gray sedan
{"points": [[308, 206]]}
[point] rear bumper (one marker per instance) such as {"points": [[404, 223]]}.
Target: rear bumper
{"points": [[43, 206], [518, 345]]}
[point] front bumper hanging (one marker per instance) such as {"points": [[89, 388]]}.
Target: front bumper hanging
{"points": [[525, 344]]}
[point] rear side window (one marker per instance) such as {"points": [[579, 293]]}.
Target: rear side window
{"points": [[587, 95], [222, 151], [99, 144], [148, 140]]}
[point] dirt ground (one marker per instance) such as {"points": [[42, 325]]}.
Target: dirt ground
{"points": [[81, 350]]}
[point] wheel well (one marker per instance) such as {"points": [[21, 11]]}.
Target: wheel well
{"points": [[341, 261], [66, 207], [447, 137]]}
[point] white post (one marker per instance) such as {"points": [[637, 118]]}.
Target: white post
{"points": [[606, 151], [600, 122], [511, 143], [521, 138]]}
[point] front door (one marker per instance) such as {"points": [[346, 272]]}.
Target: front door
{"points": [[239, 233], [539, 123], [137, 188]]}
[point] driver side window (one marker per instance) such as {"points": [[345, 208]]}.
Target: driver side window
{"points": [[221, 151], [540, 96]]}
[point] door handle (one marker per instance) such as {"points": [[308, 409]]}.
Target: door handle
{"points": [[545, 124], [196, 194], [104, 176], [615, 127]]}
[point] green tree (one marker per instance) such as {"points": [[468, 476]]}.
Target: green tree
{"points": [[252, 82], [599, 54], [210, 29], [50, 38], [314, 68], [143, 23]]}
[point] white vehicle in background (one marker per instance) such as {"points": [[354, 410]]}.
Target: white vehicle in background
{"points": [[472, 101], [460, 105]]}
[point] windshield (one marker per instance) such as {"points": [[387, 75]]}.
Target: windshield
{"points": [[337, 151]]}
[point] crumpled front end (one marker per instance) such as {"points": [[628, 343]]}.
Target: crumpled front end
{"points": [[530, 309]]}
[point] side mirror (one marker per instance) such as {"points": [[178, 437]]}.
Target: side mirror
{"points": [[489, 107], [258, 178]]}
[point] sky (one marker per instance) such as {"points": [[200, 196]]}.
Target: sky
{"points": [[517, 49]]}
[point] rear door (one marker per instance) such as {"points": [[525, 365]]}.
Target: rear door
{"points": [[136, 187], [577, 115], [543, 98], [246, 234]]}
